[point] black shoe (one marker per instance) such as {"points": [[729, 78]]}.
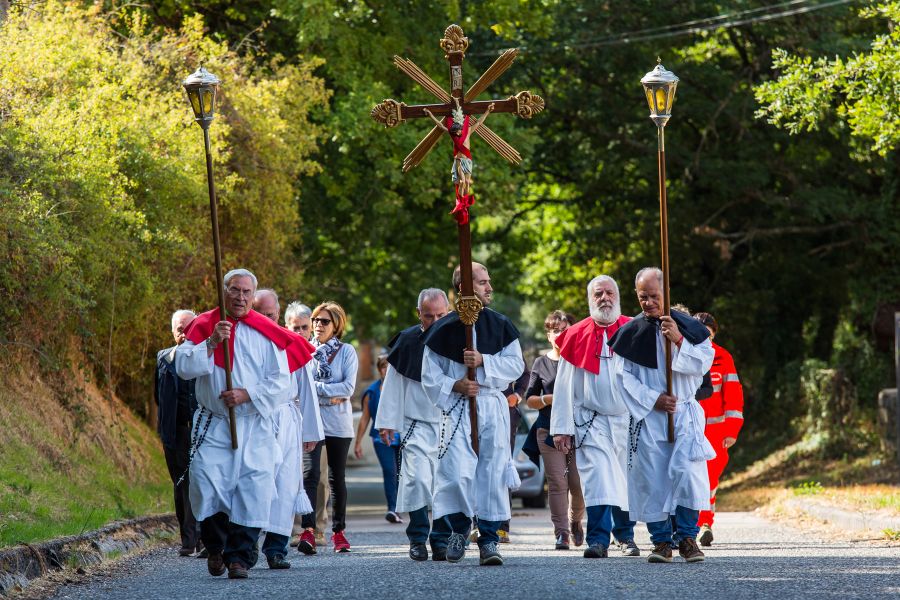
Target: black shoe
{"points": [[203, 553], [418, 551], [237, 571], [438, 554], [629, 548], [456, 547], [562, 541], [277, 561], [595, 551], [490, 555], [215, 564], [185, 551]]}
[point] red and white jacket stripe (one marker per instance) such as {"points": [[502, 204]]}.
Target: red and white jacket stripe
{"points": [[725, 408]]}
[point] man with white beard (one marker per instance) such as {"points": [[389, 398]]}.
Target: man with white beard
{"points": [[589, 416], [665, 479], [232, 489], [404, 406], [298, 427]]}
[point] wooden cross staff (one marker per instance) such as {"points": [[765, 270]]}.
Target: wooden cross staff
{"points": [[456, 107]]}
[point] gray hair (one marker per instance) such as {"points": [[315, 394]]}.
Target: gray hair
{"points": [[429, 294], [239, 273], [297, 309], [647, 271], [179, 313], [600, 279], [263, 292]]}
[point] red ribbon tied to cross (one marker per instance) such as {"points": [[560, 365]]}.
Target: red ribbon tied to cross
{"points": [[460, 212]]}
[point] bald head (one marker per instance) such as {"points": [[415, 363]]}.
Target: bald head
{"points": [[265, 302], [649, 287]]}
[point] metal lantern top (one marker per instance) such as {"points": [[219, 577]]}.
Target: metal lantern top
{"points": [[659, 86], [201, 87]]}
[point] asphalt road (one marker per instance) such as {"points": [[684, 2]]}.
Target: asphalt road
{"points": [[751, 558]]}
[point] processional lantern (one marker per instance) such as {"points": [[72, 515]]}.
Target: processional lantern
{"points": [[659, 88], [202, 88]]}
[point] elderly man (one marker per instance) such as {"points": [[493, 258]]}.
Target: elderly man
{"points": [[665, 479], [232, 490], [298, 428], [467, 484], [176, 404], [404, 406], [298, 318], [588, 414]]}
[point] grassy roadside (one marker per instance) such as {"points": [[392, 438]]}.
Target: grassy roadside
{"points": [[869, 484], [73, 465]]}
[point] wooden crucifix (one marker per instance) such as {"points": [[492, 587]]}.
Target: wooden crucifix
{"points": [[456, 109]]}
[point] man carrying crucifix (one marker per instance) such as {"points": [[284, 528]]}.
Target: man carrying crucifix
{"points": [[460, 130], [664, 479], [468, 484]]}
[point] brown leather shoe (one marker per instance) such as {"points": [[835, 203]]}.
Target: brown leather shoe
{"points": [[237, 571], [216, 564], [577, 533], [690, 551], [662, 553]]}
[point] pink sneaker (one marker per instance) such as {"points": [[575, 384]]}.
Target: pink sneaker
{"points": [[340, 542]]}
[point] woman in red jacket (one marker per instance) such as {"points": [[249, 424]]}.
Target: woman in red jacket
{"points": [[724, 418]]}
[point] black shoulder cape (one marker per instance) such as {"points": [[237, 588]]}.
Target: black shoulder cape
{"points": [[636, 340], [405, 353], [493, 332]]}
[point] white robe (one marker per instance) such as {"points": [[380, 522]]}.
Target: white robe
{"points": [[295, 422], [405, 407], [240, 483], [601, 449], [466, 483], [663, 475]]}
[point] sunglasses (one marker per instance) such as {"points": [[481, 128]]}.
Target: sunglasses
{"points": [[322, 322]]}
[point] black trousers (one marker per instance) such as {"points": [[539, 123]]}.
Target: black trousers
{"points": [[236, 543], [337, 450], [177, 462]]}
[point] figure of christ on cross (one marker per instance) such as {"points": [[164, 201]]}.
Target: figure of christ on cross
{"points": [[460, 130]]}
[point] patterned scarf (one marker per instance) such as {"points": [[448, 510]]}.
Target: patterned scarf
{"points": [[323, 356]]}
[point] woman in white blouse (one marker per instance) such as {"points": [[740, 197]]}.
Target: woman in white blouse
{"points": [[336, 366]]}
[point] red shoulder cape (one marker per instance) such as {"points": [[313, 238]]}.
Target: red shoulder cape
{"points": [[580, 343], [299, 351]]}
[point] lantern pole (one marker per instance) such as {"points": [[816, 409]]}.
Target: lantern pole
{"points": [[198, 85], [661, 80]]}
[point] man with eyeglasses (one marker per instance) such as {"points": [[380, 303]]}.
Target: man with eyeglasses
{"points": [[231, 490], [298, 429], [467, 484], [297, 318], [405, 407], [589, 420]]}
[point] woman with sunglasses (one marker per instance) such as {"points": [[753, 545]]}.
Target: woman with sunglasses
{"points": [[336, 366], [562, 475]]}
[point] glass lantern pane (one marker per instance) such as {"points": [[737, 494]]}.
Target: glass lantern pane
{"points": [[195, 103], [671, 98], [661, 100], [208, 95], [649, 93]]}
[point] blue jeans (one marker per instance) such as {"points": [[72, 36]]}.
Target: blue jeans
{"points": [[623, 527], [685, 526], [599, 524], [388, 457], [487, 531], [419, 526], [444, 526], [275, 543]]}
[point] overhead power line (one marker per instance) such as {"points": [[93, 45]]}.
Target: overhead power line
{"points": [[726, 21]]}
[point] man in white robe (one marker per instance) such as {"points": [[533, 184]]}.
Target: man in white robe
{"points": [[405, 407], [665, 479], [589, 414], [467, 484], [231, 490], [298, 427]]}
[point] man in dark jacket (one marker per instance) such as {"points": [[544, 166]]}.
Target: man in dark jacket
{"points": [[176, 405]]}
